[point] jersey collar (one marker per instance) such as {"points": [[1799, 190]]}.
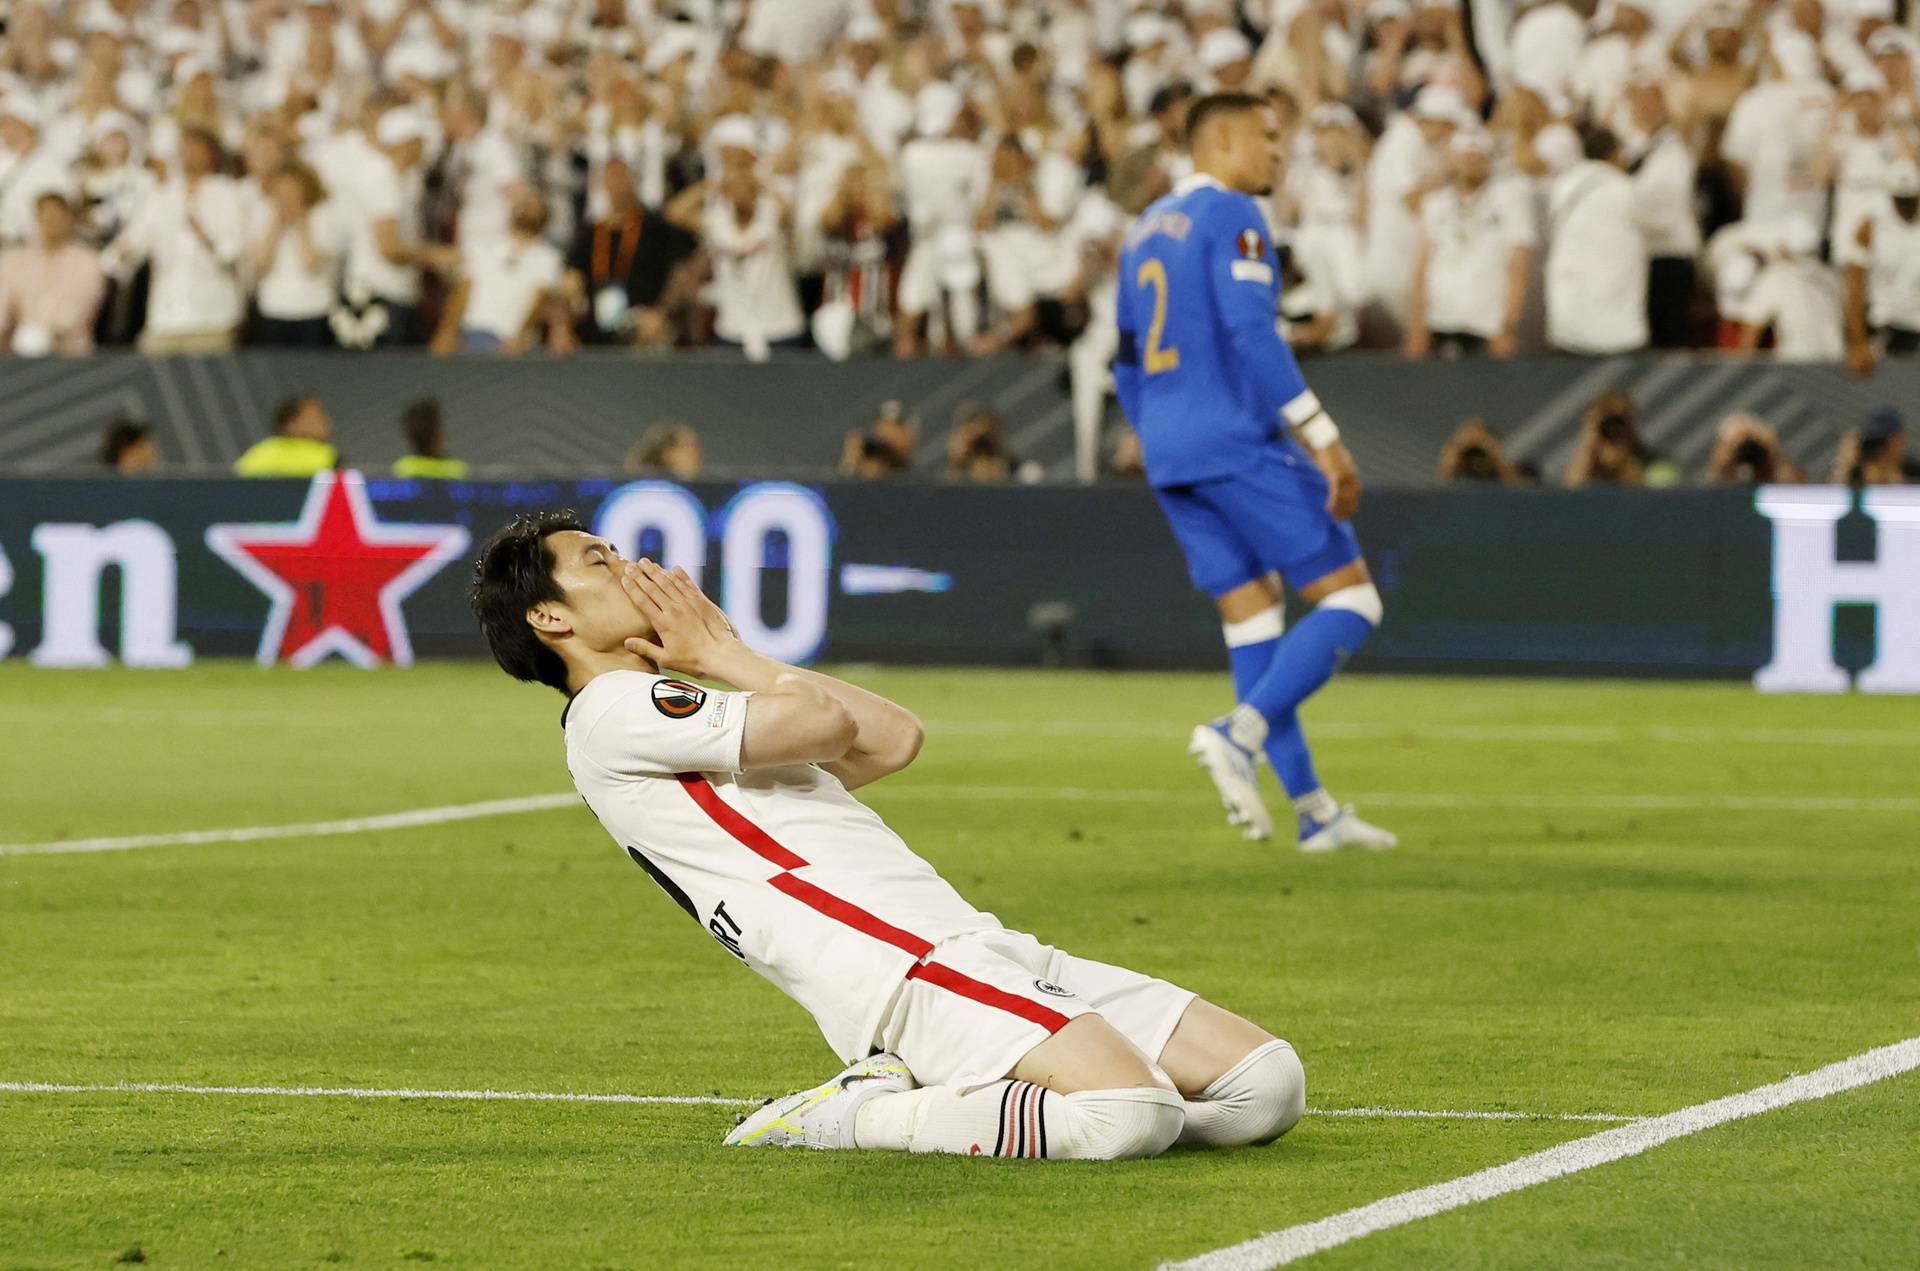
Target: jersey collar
{"points": [[1196, 181]]}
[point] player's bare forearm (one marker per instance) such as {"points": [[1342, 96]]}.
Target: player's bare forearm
{"points": [[886, 735]]}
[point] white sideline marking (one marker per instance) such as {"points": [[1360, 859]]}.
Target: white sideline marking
{"points": [[1281, 1247], [1595, 802], [1606, 734], [1445, 1115], [1068, 794], [349, 1092], [537, 1096], [313, 829]]}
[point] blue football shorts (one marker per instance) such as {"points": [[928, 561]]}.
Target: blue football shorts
{"points": [[1244, 526]]}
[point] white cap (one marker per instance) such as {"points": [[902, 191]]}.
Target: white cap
{"points": [[508, 27], [840, 83], [20, 106], [1903, 179], [177, 41], [1449, 5], [673, 41], [1222, 46], [1143, 29], [1889, 41], [401, 125], [1384, 10], [1864, 78], [1720, 17], [1475, 140], [1333, 115], [936, 108], [1864, 9], [1436, 101], [112, 121], [734, 132], [864, 28], [422, 59], [1558, 147]]}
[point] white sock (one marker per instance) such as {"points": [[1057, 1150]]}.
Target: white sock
{"points": [[1255, 1101], [1319, 805], [1018, 1118], [1247, 727]]}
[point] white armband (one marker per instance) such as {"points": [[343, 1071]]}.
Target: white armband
{"points": [[1310, 421]]}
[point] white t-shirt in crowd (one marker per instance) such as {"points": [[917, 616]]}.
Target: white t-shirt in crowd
{"points": [[288, 290], [1398, 164], [796, 31], [1893, 270], [506, 278], [195, 284], [785, 869], [942, 181], [381, 192], [755, 297], [1663, 183], [1803, 301], [1470, 245], [1773, 133], [1596, 276]]}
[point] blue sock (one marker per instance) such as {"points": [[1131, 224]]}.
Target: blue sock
{"points": [[1286, 742], [1306, 659]]}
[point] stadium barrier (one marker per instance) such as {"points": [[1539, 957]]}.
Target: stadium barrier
{"points": [[1787, 582], [786, 417]]}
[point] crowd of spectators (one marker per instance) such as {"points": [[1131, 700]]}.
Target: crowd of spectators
{"points": [[1462, 179]]}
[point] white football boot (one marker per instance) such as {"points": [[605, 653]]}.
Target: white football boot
{"points": [[822, 1117], [1345, 830], [1236, 775]]}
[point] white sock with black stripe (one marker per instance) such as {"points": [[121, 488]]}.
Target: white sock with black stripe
{"points": [[1018, 1118]]}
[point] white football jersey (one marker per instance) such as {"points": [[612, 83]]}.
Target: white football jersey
{"points": [[786, 869]]}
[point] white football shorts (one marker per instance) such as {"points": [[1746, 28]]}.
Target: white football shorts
{"points": [[973, 1008]]}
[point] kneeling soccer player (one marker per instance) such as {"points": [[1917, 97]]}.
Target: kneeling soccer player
{"points": [[962, 1036]]}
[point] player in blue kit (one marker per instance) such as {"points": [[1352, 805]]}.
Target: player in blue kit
{"points": [[1247, 465]]}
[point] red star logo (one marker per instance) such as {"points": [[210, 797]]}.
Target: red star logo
{"points": [[337, 575]]}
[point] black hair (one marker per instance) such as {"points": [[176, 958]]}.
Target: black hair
{"points": [[1169, 95], [423, 426], [1219, 104], [1600, 144], [289, 410], [515, 573], [122, 435]]}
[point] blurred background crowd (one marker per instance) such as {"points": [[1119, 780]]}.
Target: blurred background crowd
{"points": [[1462, 179]]}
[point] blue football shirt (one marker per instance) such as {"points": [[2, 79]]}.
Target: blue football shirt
{"points": [[1202, 372]]}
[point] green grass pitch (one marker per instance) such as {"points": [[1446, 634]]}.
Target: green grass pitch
{"points": [[1616, 898]]}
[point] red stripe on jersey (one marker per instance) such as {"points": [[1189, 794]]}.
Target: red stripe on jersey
{"points": [[851, 914], [765, 846], [749, 835], [966, 986]]}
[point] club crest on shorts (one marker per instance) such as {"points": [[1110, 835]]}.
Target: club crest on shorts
{"points": [[1252, 246], [677, 699], [1048, 986]]}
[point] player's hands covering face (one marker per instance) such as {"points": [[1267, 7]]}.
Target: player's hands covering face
{"points": [[689, 631]]}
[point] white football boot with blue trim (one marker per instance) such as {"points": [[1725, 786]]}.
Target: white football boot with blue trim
{"points": [[1344, 830], [823, 1117], [1235, 769]]}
